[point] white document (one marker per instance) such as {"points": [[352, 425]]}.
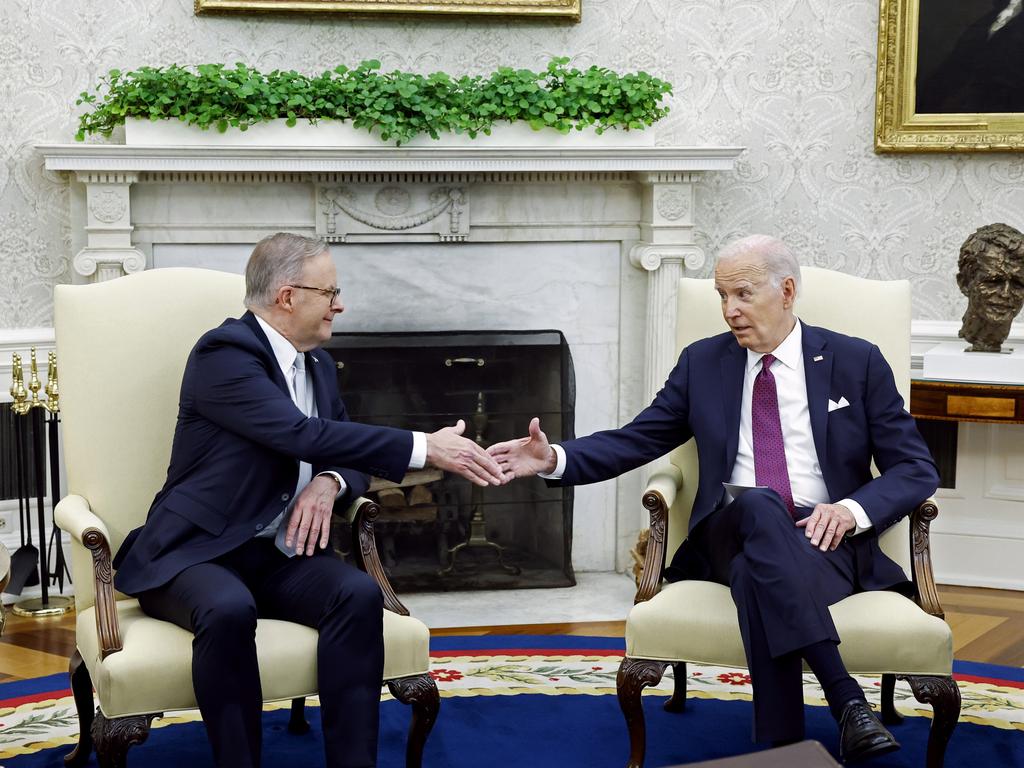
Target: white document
{"points": [[734, 491]]}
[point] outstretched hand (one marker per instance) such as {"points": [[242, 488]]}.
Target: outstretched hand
{"points": [[526, 456], [448, 450]]}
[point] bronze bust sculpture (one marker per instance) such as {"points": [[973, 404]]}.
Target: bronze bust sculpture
{"points": [[991, 275]]}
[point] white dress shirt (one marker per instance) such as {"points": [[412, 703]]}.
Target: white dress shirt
{"points": [[285, 355], [805, 478]]}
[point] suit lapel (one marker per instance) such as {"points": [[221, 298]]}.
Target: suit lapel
{"points": [[818, 373], [275, 370], [732, 364]]}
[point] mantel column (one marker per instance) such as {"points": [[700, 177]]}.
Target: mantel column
{"points": [[108, 252], [666, 251]]}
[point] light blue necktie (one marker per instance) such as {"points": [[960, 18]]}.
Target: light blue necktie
{"points": [[302, 396]]}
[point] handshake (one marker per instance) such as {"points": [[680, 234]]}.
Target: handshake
{"points": [[447, 449]]}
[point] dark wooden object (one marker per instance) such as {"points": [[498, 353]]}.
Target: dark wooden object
{"points": [[964, 401], [112, 738], [636, 674]]}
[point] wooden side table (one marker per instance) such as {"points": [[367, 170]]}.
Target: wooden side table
{"points": [[967, 401]]}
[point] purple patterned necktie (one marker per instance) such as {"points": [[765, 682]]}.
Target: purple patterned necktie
{"points": [[769, 450]]}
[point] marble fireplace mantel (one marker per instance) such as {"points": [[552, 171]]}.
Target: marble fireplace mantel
{"points": [[658, 233], [134, 208]]}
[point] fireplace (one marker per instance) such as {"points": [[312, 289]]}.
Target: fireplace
{"points": [[440, 532], [589, 240]]}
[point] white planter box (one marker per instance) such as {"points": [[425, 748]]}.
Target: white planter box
{"points": [[331, 133]]}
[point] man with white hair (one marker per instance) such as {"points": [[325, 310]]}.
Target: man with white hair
{"points": [[794, 414]]}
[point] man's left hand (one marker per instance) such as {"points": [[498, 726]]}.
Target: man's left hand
{"points": [[827, 525], [311, 516]]}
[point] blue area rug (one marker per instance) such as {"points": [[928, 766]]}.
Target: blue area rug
{"points": [[533, 702]]}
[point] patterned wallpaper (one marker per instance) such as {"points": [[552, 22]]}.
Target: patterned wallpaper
{"points": [[793, 80]]}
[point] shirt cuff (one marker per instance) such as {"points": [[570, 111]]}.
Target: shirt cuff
{"points": [[559, 470], [859, 515], [418, 460], [342, 485]]}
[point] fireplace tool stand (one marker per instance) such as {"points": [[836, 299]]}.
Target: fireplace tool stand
{"points": [[42, 412], [477, 522]]}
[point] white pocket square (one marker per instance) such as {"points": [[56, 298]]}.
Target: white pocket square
{"points": [[834, 406]]}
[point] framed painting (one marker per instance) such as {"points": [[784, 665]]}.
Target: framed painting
{"points": [[563, 9], [950, 76]]}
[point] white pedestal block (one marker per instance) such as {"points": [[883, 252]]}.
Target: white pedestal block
{"points": [[950, 361]]}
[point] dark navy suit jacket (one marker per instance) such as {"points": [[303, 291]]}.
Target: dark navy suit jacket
{"points": [[235, 457], [701, 400]]}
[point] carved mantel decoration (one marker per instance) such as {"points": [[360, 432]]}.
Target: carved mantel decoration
{"points": [[412, 212]]}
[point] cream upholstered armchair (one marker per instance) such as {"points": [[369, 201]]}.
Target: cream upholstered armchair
{"points": [[695, 621], [123, 346]]}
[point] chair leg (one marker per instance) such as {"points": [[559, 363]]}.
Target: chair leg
{"points": [[297, 723], [634, 675], [115, 737], [889, 714], [81, 687], [677, 703], [944, 696], [421, 692]]}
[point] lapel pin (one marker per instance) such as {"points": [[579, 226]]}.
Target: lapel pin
{"points": [[818, 358]]}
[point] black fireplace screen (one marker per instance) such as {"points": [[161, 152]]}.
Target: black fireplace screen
{"points": [[440, 532]]}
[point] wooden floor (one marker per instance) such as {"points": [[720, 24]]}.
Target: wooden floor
{"points": [[988, 626]]}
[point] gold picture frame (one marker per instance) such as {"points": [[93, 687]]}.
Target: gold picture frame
{"points": [[954, 113], [568, 10]]}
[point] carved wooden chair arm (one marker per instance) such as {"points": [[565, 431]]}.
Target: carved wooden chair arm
{"points": [[74, 516], [658, 498], [361, 514], [921, 558]]}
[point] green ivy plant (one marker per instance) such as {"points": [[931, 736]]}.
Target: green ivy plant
{"points": [[393, 105]]}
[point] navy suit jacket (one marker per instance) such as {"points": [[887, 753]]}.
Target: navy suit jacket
{"points": [[701, 400], [235, 457]]}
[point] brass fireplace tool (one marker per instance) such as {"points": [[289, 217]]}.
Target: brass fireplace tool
{"points": [[477, 522], [41, 410]]}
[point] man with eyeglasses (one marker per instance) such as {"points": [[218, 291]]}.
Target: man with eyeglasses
{"points": [[263, 449]]}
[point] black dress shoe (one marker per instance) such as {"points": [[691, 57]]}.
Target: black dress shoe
{"points": [[861, 735]]}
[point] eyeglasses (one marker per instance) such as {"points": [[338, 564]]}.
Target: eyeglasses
{"points": [[329, 293]]}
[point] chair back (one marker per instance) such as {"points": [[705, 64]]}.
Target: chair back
{"points": [[876, 310], [121, 352]]}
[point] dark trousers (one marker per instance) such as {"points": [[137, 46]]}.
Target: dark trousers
{"points": [[219, 602], [782, 587]]}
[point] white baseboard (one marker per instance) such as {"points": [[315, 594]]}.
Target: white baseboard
{"points": [[977, 561]]}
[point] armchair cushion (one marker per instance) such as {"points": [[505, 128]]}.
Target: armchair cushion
{"points": [[130, 683], [696, 621]]}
